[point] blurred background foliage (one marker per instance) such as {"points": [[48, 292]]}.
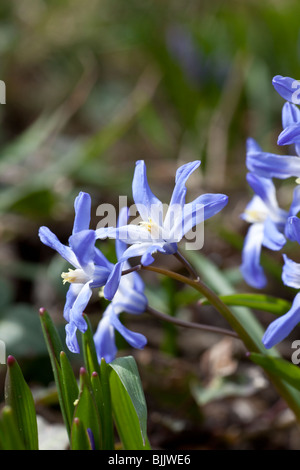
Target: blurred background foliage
{"points": [[91, 87]]}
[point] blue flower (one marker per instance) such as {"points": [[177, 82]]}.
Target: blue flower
{"points": [[291, 127], [129, 298], [270, 226], [288, 88], [92, 269], [271, 165], [159, 231], [280, 328], [267, 227]]}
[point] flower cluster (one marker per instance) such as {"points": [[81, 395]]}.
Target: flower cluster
{"points": [[157, 232], [272, 226]]}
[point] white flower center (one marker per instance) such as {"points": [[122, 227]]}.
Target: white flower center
{"points": [[255, 216], [152, 227], [75, 276]]}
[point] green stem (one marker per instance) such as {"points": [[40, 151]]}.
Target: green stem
{"points": [[185, 324], [214, 300], [187, 265]]}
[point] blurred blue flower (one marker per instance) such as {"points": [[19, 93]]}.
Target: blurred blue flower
{"points": [[291, 127], [269, 227], [270, 165], [288, 88], [129, 298], [200, 69], [92, 269], [158, 232], [280, 328]]}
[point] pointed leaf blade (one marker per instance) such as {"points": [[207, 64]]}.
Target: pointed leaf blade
{"points": [[19, 397], [128, 403]]}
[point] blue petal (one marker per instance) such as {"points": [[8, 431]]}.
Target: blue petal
{"points": [[128, 234], [147, 257], [104, 338], [145, 250], [128, 299], [100, 276], [264, 188], [287, 87], [290, 115], [213, 203], [71, 296], [51, 240], [291, 273], [279, 329], [82, 212], [292, 229], [295, 206], [77, 310], [120, 245], [252, 145], [91, 438], [134, 303], [251, 269], [138, 283], [270, 165], [136, 340], [290, 135], [273, 238], [101, 260], [83, 245], [182, 174], [174, 213], [138, 250], [71, 339], [193, 213], [148, 205], [113, 281]]}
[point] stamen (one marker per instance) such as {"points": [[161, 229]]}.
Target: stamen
{"points": [[255, 216], [151, 226], [101, 293], [74, 276]]}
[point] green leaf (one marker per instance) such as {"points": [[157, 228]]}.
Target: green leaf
{"points": [[70, 386], [19, 397], [54, 346], [106, 415], [51, 335], [89, 351], [263, 302], [284, 369], [10, 436], [79, 436], [87, 411], [128, 404]]}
